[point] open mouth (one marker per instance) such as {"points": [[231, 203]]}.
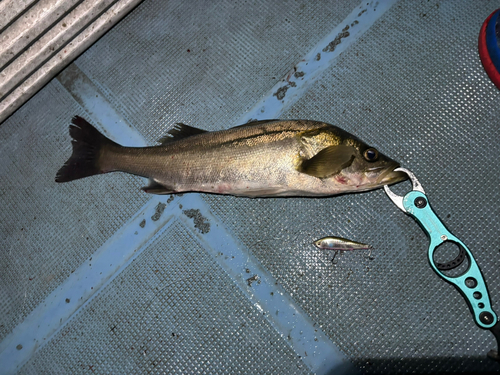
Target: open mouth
{"points": [[391, 177]]}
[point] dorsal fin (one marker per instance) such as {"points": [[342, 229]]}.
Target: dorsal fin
{"points": [[180, 131], [328, 161]]}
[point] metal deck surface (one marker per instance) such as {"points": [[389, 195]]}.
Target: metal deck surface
{"points": [[98, 277]]}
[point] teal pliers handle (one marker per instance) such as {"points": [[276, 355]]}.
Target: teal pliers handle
{"points": [[471, 283]]}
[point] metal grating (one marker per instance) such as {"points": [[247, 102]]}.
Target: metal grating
{"points": [[39, 38]]}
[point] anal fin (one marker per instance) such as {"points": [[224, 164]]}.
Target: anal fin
{"points": [[157, 188]]}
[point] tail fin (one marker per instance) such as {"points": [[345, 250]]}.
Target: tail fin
{"points": [[87, 145]]}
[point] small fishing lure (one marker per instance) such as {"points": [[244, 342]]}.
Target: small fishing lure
{"points": [[341, 244]]}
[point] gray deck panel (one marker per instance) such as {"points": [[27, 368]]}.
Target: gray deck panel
{"points": [[175, 311], [413, 86]]}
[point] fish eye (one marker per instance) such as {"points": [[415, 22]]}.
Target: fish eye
{"points": [[371, 154]]}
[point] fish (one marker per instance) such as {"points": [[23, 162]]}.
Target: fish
{"points": [[269, 158], [340, 244]]}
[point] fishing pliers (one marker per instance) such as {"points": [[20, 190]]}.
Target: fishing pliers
{"points": [[470, 283]]}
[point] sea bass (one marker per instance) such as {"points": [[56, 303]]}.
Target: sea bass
{"points": [[272, 158]]}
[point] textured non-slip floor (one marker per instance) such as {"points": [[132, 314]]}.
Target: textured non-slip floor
{"points": [[412, 85]]}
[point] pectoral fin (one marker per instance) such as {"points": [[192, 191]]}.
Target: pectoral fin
{"points": [[156, 188], [328, 161]]}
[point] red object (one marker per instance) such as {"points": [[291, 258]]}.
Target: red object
{"points": [[485, 56]]}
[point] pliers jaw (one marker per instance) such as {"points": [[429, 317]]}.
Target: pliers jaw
{"points": [[398, 200]]}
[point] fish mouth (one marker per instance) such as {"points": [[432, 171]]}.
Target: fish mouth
{"points": [[390, 176]]}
